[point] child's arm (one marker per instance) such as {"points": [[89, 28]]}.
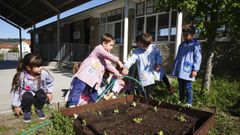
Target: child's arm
{"points": [[131, 61], [49, 84], [16, 94], [158, 59], [197, 58], [112, 68], [102, 53], [158, 56]]}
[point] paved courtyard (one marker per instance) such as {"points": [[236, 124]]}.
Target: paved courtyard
{"points": [[8, 69]]}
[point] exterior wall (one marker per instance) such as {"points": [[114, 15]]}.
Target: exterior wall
{"points": [[94, 32], [88, 24], [167, 52]]}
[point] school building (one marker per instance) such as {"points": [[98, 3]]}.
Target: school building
{"points": [[72, 38]]}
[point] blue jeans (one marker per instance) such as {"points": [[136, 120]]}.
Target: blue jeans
{"points": [[182, 85], [78, 87]]}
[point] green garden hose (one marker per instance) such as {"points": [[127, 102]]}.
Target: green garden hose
{"points": [[31, 130], [112, 83]]}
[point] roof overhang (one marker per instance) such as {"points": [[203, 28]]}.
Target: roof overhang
{"points": [[25, 13]]}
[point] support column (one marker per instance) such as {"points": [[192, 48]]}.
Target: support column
{"points": [[125, 42], [20, 42], [178, 32], [58, 38]]}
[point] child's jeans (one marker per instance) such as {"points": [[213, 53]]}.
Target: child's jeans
{"points": [[166, 81], [39, 99], [78, 88], [182, 85]]}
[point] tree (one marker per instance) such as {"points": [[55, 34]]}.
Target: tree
{"points": [[208, 15]]}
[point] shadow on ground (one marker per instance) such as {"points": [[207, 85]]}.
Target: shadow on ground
{"points": [[63, 72], [8, 65]]}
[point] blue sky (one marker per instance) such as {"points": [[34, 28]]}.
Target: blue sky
{"points": [[8, 31]]}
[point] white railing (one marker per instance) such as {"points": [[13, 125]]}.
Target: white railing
{"points": [[14, 56]]}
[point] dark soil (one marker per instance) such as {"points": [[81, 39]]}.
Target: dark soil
{"points": [[109, 122]]}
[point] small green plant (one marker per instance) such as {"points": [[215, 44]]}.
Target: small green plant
{"points": [[155, 109], [115, 111], [75, 115], [100, 113], [62, 125], [180, 118], [104, 133], [138, 120], [84, 122], [160, 133]]}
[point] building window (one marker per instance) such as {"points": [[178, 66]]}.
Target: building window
{"points": [[150, 7], [117, 33], [103, 18], [162, 25], [112, 22], [151, 25], [140, 9], [173, 25], [114, 15], [140, 25]]}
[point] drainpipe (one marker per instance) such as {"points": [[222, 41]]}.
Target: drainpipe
{"points": [[178, 32], [125, 42]]}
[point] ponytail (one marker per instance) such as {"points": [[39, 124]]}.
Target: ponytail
{"points": [[15, 81]]}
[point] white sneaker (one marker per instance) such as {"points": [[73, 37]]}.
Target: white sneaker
{"points": [[71, 106], [179, 102], [188, 105]]}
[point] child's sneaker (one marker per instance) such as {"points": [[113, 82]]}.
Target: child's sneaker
{"points": [[188, 105], [27, 117], [71, 106], [41, 115]]}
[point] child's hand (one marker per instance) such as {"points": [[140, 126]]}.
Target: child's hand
{"points": [[194, 73], [18, 111], [49, 96], [125, 71], [120, 64], [157, 67]]}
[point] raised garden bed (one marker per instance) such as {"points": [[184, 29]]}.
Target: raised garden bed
{"points": [[133, 115]]}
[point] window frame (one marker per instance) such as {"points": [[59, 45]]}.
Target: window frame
{"points": [[156, 14], [107, 23]]}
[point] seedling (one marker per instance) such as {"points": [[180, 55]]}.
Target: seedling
{"points": [[181, 118], [134, 104], [104, 133], [84, 122], [160, 133], [138, 120], [100, 113], [116, 111], [155, 109], [75, 115]]}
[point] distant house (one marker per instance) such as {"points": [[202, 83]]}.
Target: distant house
{"points": [[25, 47], [6, 47]]}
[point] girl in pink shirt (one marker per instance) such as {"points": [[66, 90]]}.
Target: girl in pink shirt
{"points": [[89, 76]]}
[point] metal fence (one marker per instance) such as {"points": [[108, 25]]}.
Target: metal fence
{"points": [[13, 56]]}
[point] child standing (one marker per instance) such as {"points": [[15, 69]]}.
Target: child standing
{"points": [[31, 85], [148, 59], [89, 76], [187, 63]]}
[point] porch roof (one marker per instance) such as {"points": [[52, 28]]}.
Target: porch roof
{"points": [[25, 13]]}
